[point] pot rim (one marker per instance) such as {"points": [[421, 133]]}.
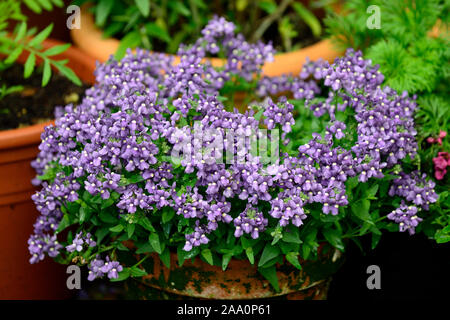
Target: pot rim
{"points": [[15, 138], [90, 39]]}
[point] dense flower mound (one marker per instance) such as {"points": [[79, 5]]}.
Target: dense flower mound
{"points": [[115, 146]]}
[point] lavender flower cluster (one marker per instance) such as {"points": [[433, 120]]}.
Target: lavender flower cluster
{"points": [[143, 107]]}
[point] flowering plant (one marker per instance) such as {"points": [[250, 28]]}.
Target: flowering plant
{"points": [[158, 156], [411, 48]]}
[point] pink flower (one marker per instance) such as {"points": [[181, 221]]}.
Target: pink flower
{"points": [[440, 164], [442, 135]]}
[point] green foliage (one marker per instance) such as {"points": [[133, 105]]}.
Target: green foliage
{"points": [[162, 25], [25, 40], [413, 60]]}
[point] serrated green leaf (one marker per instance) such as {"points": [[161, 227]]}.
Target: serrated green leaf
{"points": [[41, 36]]}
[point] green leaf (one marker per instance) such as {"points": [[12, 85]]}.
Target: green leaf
{"points": [[131, 40], [360, 209], [29, 66], [250, 256], [371, 192], [13, 55], [143, 6], [41, 36], [46, 4], [57, 49], [33, 6], [84, 213], [156, 31], [291, 236], [247, 242], [206, 253], [309, 18], [107, 217], [167, 215], [107, 203], [123, 275], [101, 233], [117, 228], [145, 248], [270, 274], [292, 257], [225, 260], [130, 229], [165, 257], [270, 252], [64, 223], [21, 31], [68, 73], [46, 73], [375, 239], [154, 241], [268, 6], [102, 11], [137, 272], [146, 224], [181, 254], [333, 236]]}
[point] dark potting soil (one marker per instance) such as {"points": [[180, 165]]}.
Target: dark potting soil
{"points": [[34, 104]]}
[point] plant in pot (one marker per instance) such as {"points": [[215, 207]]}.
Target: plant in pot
{"points": [[28, 94], [411, 48], [162, 25], [158, 179]]}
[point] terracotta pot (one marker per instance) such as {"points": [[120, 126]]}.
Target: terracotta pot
{"points": [[18, 147], [90, 39], [241, 280]]}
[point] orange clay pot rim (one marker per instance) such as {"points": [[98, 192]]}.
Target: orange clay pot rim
{"points": [[90, 31], [19, 137]]}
